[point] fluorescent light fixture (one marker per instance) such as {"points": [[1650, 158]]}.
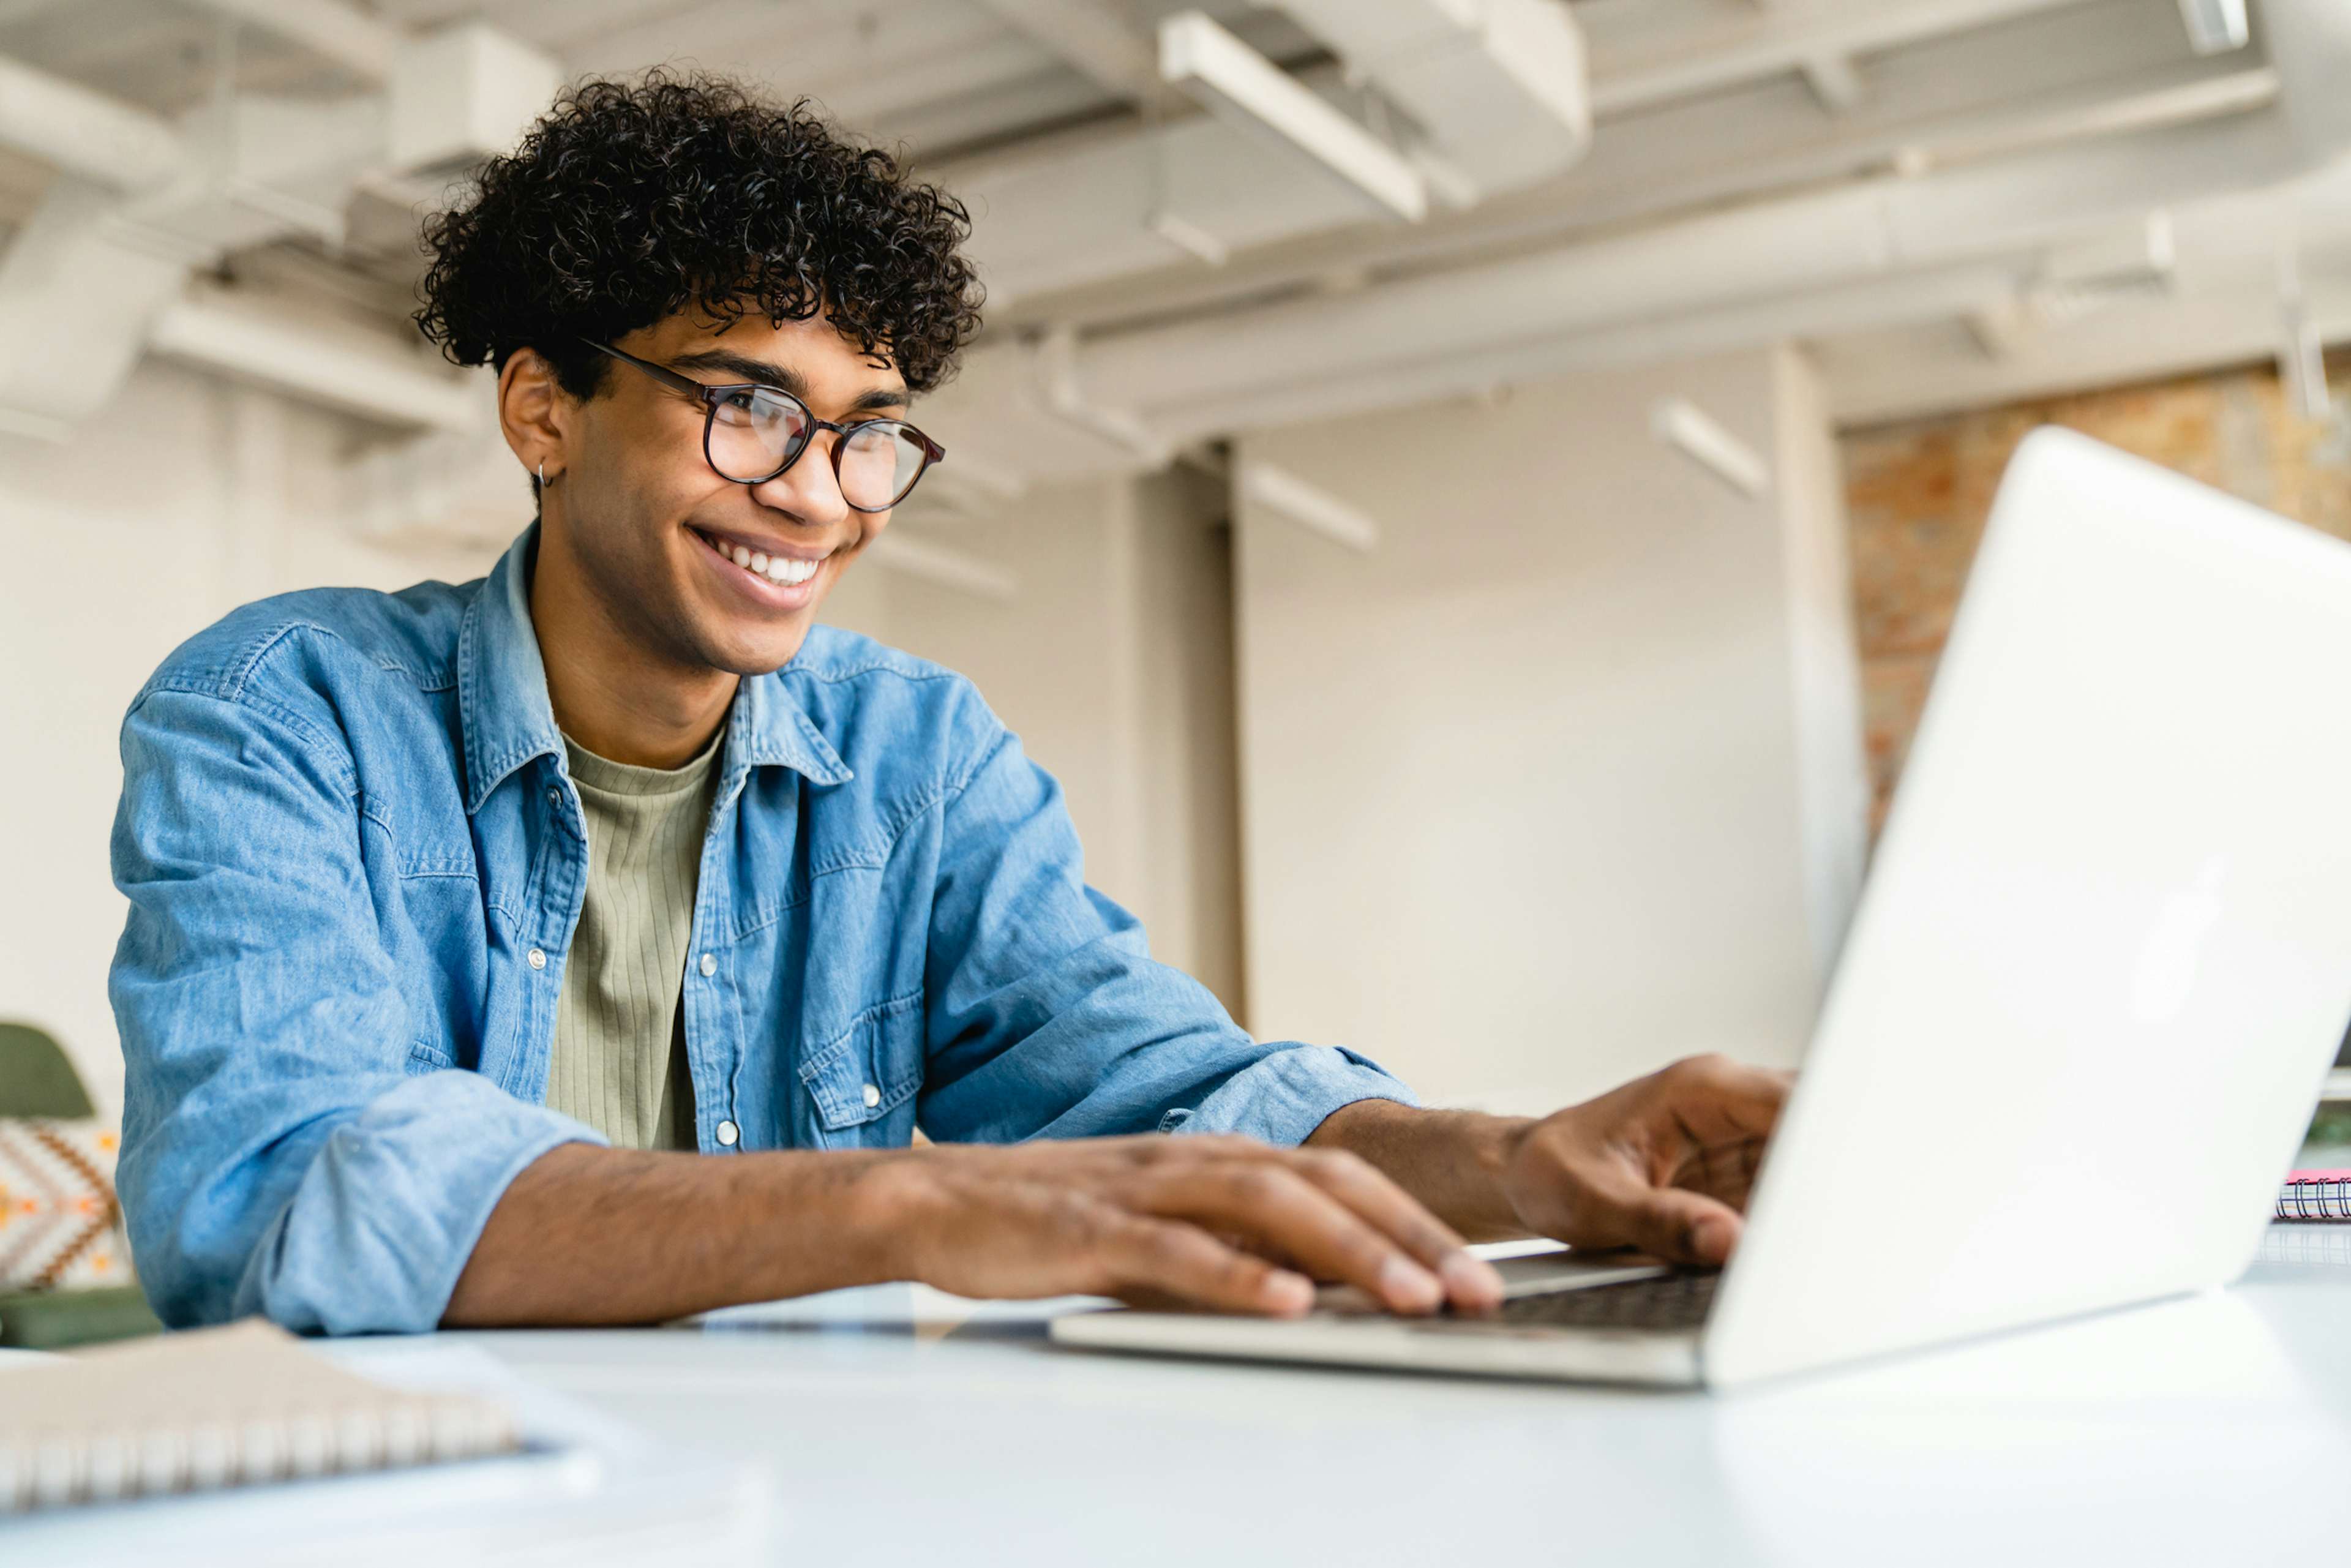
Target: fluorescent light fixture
{"points": [[1690, 431], [1308, 505], [1190, 238], [1242, 86], [2216, 26], [2302, 365]]}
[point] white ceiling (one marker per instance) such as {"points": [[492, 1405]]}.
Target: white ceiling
{"points": [[1704, 107]]}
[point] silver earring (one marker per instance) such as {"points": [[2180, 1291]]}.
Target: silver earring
{"points": [[543, 472]]}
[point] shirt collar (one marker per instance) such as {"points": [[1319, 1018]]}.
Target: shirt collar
{"points": [[507, 720]]}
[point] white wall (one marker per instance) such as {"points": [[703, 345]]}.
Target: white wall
{"points": [[1524, 789], [1113, 664], [183, 499]]}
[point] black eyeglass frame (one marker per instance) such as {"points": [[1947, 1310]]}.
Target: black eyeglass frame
{"points": [[712, 396]]}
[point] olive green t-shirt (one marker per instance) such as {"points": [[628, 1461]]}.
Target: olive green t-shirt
{"points": [[620, 1060]]}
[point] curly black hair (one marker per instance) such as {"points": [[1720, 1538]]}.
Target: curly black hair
{"points": [[631, 201]]}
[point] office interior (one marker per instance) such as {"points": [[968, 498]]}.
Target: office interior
{"points": [[1352, 575], [1474, 558]]}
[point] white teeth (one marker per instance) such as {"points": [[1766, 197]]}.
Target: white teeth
{"points": [[782, 568]]}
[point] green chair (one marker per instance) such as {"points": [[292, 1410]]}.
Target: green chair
{"points": [[37, 1080]]}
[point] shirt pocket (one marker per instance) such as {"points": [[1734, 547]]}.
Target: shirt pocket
{"points": [[861, 1083]]}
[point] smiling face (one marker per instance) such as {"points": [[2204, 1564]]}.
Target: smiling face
{"points": [[694, 570]]}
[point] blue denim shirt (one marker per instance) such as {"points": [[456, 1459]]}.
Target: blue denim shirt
{"points": [[355, 860]]}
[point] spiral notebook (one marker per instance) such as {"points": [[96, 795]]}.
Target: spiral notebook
{"points": [[2315, 1195], [234, 1406]]}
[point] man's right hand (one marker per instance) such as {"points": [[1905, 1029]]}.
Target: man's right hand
{"points": [[1207, 1220]]}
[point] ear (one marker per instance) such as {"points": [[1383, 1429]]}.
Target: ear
{"points": [[534, 411]]}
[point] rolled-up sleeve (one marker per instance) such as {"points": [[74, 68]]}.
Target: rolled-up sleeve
{"points": [[279, 1156], [1047, 1015]]}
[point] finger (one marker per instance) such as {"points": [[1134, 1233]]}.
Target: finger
{"points": [[1470, 1281], [1718, 1101], [1150, 1259], [1674, 1224], [1278, 1210]]}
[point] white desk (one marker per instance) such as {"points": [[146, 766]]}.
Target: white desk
{"points": [[2216, 1430]]}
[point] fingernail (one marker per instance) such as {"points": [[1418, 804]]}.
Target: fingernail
{"points": [[1714, 1237], [1408, 1287], [1286, 1294], [1473, 1282]]}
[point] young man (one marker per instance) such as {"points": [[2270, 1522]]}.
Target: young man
{"points": [[585, 943]]}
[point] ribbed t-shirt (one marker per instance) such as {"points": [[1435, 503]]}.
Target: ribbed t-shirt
{"points": [[620, 1061]]}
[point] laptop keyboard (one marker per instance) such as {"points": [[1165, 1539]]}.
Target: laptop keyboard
{"points": [[1662, 1304]]}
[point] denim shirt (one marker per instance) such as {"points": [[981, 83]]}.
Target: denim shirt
{"points": [[355, 860]]}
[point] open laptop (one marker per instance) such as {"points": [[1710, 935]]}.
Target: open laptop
{"points": [[2101, 966]]}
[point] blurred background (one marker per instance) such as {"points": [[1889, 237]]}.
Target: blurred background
{"points": [[1466, 495]]}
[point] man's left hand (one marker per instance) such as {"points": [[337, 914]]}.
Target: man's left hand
{"points": [[1664, 1162]]}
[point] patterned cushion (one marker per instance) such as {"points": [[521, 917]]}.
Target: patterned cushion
{"points": [[60, 1226]]}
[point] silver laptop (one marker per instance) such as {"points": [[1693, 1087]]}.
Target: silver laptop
{"points": [[2101, 967]]}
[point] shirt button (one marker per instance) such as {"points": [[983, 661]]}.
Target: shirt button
{"points": [[536, 959], [728, 1132], [709, 965], [872, 1096], [554, 796]]}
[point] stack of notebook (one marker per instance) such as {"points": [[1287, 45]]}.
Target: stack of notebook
{"points": [[237, 1407], [2315, 1195], [243, 1445]]}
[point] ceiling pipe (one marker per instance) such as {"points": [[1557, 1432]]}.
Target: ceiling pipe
{"points": [[85, 133]]}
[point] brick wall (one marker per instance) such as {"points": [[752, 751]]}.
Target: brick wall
{"points": [[1918, 493]]}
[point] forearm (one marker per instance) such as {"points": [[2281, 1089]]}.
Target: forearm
{"points": [[1452, 1161], [589, 1235]]}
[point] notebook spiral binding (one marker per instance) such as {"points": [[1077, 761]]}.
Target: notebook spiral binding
{"points": [[2316, 1198], [55, 1469]]}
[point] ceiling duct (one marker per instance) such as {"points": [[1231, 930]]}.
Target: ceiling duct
{"points": [[1494, 90], [1248, 91], [1499, 86], [1756, 268]]}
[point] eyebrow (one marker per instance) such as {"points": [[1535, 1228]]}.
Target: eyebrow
{"points": [[876, 400]]}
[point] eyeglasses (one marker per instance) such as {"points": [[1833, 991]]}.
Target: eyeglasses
{"points": [[752, 432]]}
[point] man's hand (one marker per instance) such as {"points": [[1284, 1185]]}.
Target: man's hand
{"points": [[1207, 1220], [1664, 1164]]}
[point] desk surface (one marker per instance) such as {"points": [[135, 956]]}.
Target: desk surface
{"points": [[901, 1426]]}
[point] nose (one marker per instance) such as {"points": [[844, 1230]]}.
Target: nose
{"points": [[808, 491]]}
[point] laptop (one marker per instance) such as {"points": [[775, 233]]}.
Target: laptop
{"points": [[2101, 966]]}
